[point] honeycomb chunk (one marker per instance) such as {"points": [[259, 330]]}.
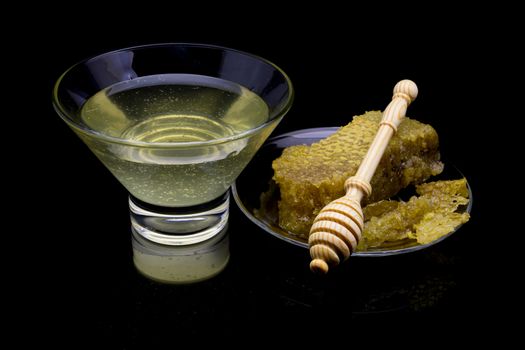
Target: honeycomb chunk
{"points": [[423, 218], [309, 177], [434, 225], [395, 224], [379, 208]]}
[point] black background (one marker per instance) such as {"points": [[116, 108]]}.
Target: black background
{"points": [[82, 277]]}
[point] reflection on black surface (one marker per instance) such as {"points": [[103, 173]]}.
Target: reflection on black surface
{"points": [[266, 284], [267, 281], [361, 287], [181, 264]]}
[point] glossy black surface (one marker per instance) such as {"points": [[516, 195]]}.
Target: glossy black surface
{"points": [[80, 285]]}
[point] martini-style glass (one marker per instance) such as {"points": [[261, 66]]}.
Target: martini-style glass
{"points": [[175, 124]]}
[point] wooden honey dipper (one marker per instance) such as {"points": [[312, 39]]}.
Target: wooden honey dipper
{"points": [[337, 229]]}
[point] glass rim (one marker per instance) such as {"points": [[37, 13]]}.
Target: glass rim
{"points": [[112, 139]]}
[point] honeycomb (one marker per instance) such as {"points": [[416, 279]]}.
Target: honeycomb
{"points": [[423, 218], [309, 177]]}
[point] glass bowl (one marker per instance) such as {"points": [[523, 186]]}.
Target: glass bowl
{"points": [[256, 179], [175, 123]]}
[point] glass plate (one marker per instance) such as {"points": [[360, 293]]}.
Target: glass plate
{"points": [[257, 177]]}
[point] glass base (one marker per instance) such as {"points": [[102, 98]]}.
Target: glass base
{"points": [[179, 226], [181, 264]]}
